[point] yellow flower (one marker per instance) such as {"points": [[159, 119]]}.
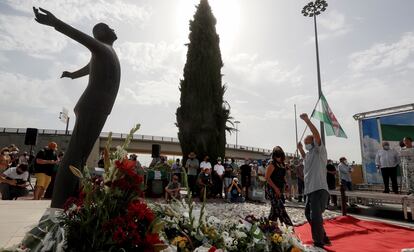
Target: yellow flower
{"points": [[179, 241], [181, 244], [276, 238]]}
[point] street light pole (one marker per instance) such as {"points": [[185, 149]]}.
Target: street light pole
{"points": [[237, 131], [313, 9]]}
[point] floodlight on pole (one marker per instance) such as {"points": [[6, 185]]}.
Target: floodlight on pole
{"points": [[237, 131], [313, 9]]}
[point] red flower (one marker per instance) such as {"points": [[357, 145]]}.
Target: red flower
{"points": [[140, 211], [212, 249], [127, 166], [119, 235], [152, 239]]}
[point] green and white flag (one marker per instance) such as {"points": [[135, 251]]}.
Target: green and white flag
{"points": [[324, 113]]}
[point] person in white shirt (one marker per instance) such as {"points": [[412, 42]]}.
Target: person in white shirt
{"points": [[206, 164], [407, 163], [218, 179], [388, 160], [13, 182]]}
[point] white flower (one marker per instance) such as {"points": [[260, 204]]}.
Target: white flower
{"points": [[225, 234], [240, 234]]}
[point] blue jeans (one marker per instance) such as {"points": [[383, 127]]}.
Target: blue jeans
{"points": [[235, 198], [347, 184]]}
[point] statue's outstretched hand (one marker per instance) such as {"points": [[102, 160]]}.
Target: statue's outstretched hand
{"points": [[48, 19], [66, 74]]}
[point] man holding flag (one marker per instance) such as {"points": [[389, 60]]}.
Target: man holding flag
{"points": [[316, 187]]}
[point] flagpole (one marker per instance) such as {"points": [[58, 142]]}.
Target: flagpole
{"points": [[307, 125], [296, 131]]}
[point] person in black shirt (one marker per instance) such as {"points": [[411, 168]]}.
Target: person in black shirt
{"points": [[246, 173], [228, 175], [49, 190], [276, 183], [204, 183], [331, 179], [45, 162]]}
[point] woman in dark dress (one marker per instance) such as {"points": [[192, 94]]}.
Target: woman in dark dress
{"points": [[276, 181]]}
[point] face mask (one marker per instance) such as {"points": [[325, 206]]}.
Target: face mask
{"points": [[219, 162], [308, 147], [346, 162], [386, 147], [5, 153]]}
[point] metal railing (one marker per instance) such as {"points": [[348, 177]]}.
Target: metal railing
{"points": [[136, 137]]}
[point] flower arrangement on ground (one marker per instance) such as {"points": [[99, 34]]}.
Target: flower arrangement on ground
{"points": [[188, 227]]}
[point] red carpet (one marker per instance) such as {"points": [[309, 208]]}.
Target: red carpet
{"points": [[349, 234]]}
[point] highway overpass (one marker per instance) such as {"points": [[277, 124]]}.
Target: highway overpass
{"points": [[139, 144]]}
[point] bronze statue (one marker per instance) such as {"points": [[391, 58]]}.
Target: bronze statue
{"points": [[93, 106]]}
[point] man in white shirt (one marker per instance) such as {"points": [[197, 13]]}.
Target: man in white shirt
{"points": [[13, 182], [218, 178], [316, 186], [206, 164], [388, 160], [407, 163]]}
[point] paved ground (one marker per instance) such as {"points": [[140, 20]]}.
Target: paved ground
{"points": [[17, 217]]}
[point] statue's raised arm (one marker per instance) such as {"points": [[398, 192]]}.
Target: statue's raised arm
{"points": [[49, 19]]}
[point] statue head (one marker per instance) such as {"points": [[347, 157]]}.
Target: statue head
{"points": [[104, 33]]}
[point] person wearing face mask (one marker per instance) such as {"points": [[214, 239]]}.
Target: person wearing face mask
{"points": [[345, 171], [228, 175], [192, 166], [24, 158], [218, 178], [316, 186], [13, 182], [387, 160], [276, 182], [14, 155], [206, 163], [5, 159], [176, 169]]}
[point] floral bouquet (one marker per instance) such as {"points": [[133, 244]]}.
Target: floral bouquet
{"points": [[108, 215]]}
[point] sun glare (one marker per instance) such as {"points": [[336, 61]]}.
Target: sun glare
{"points": [[227, 13]]}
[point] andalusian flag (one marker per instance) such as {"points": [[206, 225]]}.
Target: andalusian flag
{"points": [[324, 113]]}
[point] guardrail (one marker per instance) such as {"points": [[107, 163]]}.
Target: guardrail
{"points": [[137, 137]]}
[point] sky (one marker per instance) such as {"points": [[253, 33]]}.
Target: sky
{"points": [[366, 58]]}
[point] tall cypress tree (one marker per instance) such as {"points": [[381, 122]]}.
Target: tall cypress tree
{"points": [[203, 114]]}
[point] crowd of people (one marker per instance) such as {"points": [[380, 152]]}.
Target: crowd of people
{"points": [[16, 167]]}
